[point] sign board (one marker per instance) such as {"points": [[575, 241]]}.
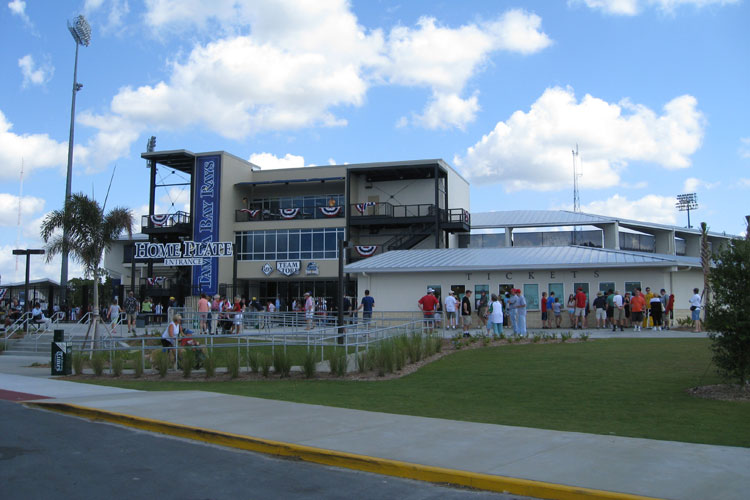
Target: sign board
{"points": [[187, 253], [207, 196], [288, 267], [267, 269], [312, 269]]}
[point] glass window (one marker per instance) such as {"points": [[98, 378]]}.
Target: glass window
{"points": [[531, 294], [558, 289], [478, 289], [630, 286], [584, 286], [605, 286]]}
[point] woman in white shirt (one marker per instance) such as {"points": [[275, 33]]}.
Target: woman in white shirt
{"points": [[495, 316], [113, 315], [695, 307], [169, 337]]}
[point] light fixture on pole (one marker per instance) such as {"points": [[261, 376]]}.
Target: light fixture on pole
{"points": [[28, 253], [81, 32], [686, 203]]}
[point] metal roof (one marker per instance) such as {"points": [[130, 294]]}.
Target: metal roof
{"points": [[495, 259], [552, 218]]}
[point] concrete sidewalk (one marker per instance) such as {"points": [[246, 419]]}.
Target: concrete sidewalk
{"points": [[554, 463]]}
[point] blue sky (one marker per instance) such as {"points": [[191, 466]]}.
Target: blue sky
{"points": [[654, 92]]}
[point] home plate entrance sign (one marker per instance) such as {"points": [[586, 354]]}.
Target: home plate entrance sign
{"points": [[187, 253]]}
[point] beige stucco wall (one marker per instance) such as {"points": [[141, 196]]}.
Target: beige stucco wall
{"points": [[400, 291]]}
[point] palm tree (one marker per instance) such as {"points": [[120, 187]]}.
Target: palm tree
{"points": [[90, 232]]}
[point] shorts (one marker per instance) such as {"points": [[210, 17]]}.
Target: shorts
{"points": [[203, 316], [696, 315], [166, 342], [571, 311], [451, 314], [131, 317], [428, 315], [309, 314], [237, 320], [544, 316], [580, 311], [366, 314], [619, 314], [610, 312], [637, 316], [601, 313], [466, 320]]}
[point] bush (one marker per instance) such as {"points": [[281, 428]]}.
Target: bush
{"points": [[78, 362], [210, 364], [308, 364], [97, 363], [117, 364], [188, 360], [415, 348], [363, 362], [565, 336], [138, 365], [253, 359], [282, 363], [162, 363], [337, 361], [233, 363], [265, 364], [728, 311]]}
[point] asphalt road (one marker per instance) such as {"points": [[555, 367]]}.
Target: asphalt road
{"points": [[47, 455]]}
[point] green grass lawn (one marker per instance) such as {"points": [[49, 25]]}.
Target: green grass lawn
{"points": [[624, 387]]}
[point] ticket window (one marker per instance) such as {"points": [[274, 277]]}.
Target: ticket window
{"points": [[458, 291]]}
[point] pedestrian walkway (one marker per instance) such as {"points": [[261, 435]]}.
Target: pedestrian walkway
{"points": [[533, 462]]}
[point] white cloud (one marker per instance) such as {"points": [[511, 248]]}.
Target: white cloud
{"points": [[445, 58], [36, 150], [116, 10], [30, 205], [33, 75], [634, 7], [268, 161], [693, 184], [448, 110], [650, 208], [175, 199], [18, 8], [744, 150], [532, 150]]}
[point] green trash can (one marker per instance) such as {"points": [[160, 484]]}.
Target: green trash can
{"points": [[61, 354]]}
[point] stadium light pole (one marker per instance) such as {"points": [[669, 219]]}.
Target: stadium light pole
{"points": [[686, 203], [81, 32]]}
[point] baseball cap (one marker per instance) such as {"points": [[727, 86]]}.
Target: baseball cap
{"points": [[430, 290]]}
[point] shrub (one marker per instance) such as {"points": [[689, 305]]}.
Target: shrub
{"points": [[338, 361], [415, 348], [188, 360], [162, 363], [308, 364], [583, 336], [566, 336], [138, 365], [233, 363], [728, 309], [282, 363], [97, 363], [686, 322], [536, 338], [265, 364], [210, 364], [253, 359], [438, 343], [117, 364], [385, 356], [363, 360], [78, 363]]}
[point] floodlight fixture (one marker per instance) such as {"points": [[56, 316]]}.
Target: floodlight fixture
{"points": [[687, 202], [81, 30]]}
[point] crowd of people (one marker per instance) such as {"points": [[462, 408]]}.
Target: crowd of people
{"points": [[608, 310]]}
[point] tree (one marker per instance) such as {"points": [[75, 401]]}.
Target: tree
{"points": [[90, 232], [728, 311]]}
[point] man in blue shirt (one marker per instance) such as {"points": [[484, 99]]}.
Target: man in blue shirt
{"points": [[367, 304]]}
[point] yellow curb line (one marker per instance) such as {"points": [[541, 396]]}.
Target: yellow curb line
{"points": [[524, 487]]}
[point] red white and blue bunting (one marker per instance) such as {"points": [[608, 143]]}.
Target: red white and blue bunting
{"points": [[156, 281], [330, 211], [361, 207], [252, 213], [289, 213], [365, 250], [159, 220]]}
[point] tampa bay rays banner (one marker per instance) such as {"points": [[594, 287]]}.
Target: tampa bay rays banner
{"points": [[206, 220]]}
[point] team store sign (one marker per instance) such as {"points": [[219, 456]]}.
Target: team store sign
{"points": [[187, 253]]}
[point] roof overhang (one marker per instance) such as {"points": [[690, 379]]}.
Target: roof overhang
{"points": [[291, 181], [178, 159]]}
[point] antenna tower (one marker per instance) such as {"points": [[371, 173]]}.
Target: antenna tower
{"points": [[576, 175]]}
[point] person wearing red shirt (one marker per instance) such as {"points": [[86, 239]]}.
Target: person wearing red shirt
{"points": [[637, 303], [580, 311], [427, 305]]}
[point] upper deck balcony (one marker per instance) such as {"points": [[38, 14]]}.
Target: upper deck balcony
{"points": [[176, 223], [386, 214]]}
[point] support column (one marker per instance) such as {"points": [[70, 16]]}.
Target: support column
{"points": [[508, 237]]}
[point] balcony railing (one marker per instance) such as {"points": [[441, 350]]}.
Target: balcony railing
{"points": [[177, 220], [256, 214], [387, 210]]}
